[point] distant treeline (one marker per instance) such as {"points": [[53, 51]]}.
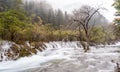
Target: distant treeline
{"points": [[47, 13], [39, 21]]}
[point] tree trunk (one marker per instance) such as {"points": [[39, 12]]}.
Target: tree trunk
{"points": [[85, 45]]}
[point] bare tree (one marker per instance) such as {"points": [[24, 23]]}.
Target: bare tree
{"points": [[84, 18]]}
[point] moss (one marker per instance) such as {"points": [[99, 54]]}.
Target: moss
{"points": [[24, 52], [33, 50], [32, 44]]}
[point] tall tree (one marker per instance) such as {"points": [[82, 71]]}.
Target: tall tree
{"points": [[10, 4], [66, 18], [12, 19], [51, 16], [82, 18], [11, 22], [41, 9], [116, 4], [59, 18]]}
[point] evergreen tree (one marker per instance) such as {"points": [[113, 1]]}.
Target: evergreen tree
{"points": [[117, 20]]}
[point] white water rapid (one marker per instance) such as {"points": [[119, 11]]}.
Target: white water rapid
{"points": [[98, 59]]}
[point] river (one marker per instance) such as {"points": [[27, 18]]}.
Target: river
{"points": [[67, 57]]}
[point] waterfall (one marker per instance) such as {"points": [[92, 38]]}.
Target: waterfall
{"points": [[96, 60]]}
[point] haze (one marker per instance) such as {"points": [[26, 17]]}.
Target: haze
{"points": [[70, 5]]}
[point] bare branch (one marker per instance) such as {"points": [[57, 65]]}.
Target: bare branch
{"points": [[89, 18], [83, 25], [92, 27]]}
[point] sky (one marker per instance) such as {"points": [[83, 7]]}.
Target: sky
{"points": [[70, 5]]}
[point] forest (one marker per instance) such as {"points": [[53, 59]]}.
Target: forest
{"points": [[28, 25], [37, 37], [37, 21]]}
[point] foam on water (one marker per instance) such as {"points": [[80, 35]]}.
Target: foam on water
{"points": [[96, 60]]}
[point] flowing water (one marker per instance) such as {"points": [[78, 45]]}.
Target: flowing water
{"points": [[66, 57]]}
